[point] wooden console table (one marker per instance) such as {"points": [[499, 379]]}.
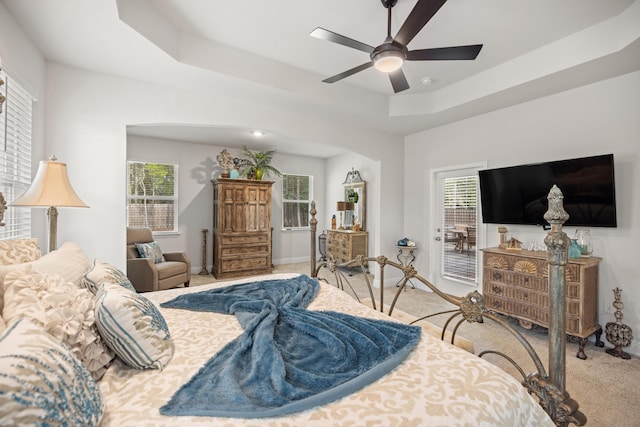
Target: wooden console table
{"points": [[515, 283]]}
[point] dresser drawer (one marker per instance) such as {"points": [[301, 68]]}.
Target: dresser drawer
{"points": [[241, 264], [529, 266], [244, 239], [244, 251], [521, 310], [522, 280]]}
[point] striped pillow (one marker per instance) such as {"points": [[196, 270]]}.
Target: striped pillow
{"points": [[133, 327], [43, 383]]}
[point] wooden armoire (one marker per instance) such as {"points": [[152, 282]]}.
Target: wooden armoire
{"points": [[241, 227]]}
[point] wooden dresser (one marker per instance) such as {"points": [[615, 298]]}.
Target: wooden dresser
{"points": [[515, 283], [345, 245], [241, 227]]}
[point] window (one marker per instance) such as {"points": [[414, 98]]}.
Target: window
{"points": [[15, 156], [152, 198], [297, 192]]}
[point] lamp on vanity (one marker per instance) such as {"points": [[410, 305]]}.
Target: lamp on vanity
{"points": [[51, 188], [341, 207]]}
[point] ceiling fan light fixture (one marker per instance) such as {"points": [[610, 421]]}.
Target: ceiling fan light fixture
{"points": [[388, 61]]}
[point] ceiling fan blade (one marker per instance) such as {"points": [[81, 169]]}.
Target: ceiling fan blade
{"points": [[398, 81], [322, 34], [422, 12], [445, 53], [348, 73]]}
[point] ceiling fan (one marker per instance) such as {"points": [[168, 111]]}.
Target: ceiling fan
{"points": [[391, 54]]}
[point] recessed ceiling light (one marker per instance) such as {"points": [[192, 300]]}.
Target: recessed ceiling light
{"points": [[427, 80], [257, 133]]}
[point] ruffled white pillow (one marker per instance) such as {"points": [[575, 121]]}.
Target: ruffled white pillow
{"points": [[63, 309]]}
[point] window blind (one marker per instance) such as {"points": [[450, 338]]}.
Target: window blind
{"points": [[458, 211], [15, 155]]}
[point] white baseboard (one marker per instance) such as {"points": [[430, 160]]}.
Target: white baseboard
{"points": [[290, 260]]}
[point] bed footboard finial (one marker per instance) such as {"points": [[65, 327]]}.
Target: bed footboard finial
{"points": [[552, 391], [312, 227]]}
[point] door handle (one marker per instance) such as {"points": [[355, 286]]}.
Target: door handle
{"points": [[438, 238]]}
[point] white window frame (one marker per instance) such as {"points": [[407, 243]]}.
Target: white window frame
{"points": [[306, 201], [15, 155], [174, 198]]}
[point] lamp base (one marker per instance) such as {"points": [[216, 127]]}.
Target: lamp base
{"points": [[52, 215]]}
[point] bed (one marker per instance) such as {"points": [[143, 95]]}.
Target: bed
{"points": [[437, 383]]}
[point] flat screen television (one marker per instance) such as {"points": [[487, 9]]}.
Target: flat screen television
{"points": [[518, 194]]}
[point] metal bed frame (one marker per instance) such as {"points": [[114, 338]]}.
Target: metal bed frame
{"points": [[549, 388]]}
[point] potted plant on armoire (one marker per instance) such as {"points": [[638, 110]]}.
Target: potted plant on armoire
{"points": [[255, 164]]}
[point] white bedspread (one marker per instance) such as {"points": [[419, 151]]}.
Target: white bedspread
{"points": [[438, 385]]}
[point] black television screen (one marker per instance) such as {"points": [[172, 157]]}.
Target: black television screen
{"points": [[518, 194]]}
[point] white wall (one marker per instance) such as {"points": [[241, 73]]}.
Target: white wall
{"points": [[596, 119], [86, 118], [86, 124], [196, 167]]}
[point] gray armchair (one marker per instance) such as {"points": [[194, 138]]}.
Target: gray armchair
{"points": [[147, 276]]}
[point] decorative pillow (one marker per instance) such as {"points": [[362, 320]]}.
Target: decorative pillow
{"points": [[19, 251], [67, 261], [150, 250], [4, 270], [133, 327], [61, 309], [3, 325], [102, 272], [43, 383]]}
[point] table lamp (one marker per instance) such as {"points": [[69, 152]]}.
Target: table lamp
{"points": [[349, 206], [341, 207], [51, 188]]}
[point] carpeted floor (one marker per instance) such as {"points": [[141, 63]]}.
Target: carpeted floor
{"points": [[606, 387]]}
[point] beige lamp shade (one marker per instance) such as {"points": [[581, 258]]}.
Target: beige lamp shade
{"points": [[50, 187]]}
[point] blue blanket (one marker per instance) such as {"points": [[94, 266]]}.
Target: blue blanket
{"points": [[288, 358]]}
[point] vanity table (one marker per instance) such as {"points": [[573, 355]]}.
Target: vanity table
{"points": [[345, 245]]}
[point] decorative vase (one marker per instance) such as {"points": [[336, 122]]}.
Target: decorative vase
{"points": [[234, 174], [584, 242], [574, 249], [259, 173]]}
